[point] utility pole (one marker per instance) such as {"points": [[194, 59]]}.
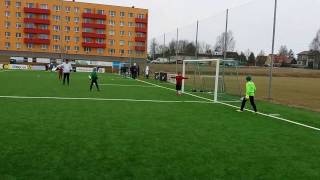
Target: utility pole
{"points": [[196, 53], [177, 47], [272, 49], [226, 36]]}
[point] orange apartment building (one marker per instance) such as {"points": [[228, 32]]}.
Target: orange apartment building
{"points": [[73, 30]]}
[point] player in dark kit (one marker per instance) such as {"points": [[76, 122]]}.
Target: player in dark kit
{"points": [[179, 78], [94, 79], [134, 71]]}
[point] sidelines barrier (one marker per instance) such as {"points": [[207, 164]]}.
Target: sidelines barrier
{"points": [[1, 66], [22, 67], [89, 69]]}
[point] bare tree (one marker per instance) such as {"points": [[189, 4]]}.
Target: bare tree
{"points": [[220, 43], [154, 46], [283, 50], [315, 44]]}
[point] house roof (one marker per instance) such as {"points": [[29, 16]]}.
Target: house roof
{"points": [[309, 53]]}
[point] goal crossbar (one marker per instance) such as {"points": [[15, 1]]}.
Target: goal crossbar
{"points": [[216, 76]]}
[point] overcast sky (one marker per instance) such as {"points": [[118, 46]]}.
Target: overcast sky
{"points": [[250, 20]]}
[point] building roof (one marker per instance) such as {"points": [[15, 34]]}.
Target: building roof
{"points": [[309, 52]]}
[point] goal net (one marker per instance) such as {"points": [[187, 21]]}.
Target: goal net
{"points": [[211, 78]]}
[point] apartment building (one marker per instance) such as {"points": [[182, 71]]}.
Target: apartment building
{"points": [[71, 29]]}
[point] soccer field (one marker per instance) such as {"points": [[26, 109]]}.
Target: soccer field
{"points": [[136, 130]]}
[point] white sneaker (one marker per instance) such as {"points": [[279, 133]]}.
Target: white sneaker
{"points": [[239, 110]]}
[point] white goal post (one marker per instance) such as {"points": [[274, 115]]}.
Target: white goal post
{"points": [[217, 61]]}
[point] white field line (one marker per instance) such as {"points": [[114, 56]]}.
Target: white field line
{"points": [[125, 85], [230, 105], [104, 99], [230, 101]]}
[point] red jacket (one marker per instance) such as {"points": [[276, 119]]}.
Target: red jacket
{"points": [[179, 79]]}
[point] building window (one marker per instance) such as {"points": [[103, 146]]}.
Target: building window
{"points": [[122, 14], [130, 34], [7, 34], [87, 49], [111, 42], [7, 24], [29, 35], [7, 3], [68, 19], [7, 44], [130, 43], [56, 28], [44, 16], [67, 28], [100, 50], [100, 12], [68, 9], [43, 26], [112, 13], [112, 51], [87, 20], [122, 33], [76, 9], [121, 23], [30, 5], [131, 15], [131, 24], [67, 38], [130, 52], [121, 51], [67, 48], [56, 18], [43, 36], [56, 37], [30, 15], [18, 45], [29, 25], [122, 42], [57, 8], [100, 21], [140, 16], [18, 14], [18, 4], [112, 23], [88, 40], [112, 33], [76, 39], [76, 19], [29, 46], [56, 47], [100, 31], [87, 10], [76, 29], [7, 13], [18, 25], [87, 29], [44, 46], [76, 48], [43, 6], [99, 41], [18, 35]]}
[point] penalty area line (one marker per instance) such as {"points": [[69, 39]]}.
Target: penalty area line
{"points": [[103, 99], [233, 106]]}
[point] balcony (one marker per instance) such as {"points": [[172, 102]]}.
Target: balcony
{"points": [[139, 20], [140, 48], [140, 39], [36, 21], [36, 41], [94, 16], [93, 35], [93, 45], [36, 10], [93, 25], [140, 29], [36, 31]]}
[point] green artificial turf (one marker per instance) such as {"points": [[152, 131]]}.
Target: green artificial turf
{"points": [[89, 139]]}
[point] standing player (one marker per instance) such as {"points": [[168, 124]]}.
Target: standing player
{"points": [[60, 72], [94, 79], [179, 78], [67, 68], [250, 93], [147, 71], [134, 71]]}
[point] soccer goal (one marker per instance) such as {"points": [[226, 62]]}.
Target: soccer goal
{"points": [[203, 76]]}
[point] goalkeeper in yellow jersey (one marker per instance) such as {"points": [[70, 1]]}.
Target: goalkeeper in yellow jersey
{"points": [[250, 93]]}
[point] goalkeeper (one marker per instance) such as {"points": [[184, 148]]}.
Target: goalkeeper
{"points": [[250, 93], [94, 79]]}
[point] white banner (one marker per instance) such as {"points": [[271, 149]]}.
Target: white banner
{"points": [[43, 60], [18, 66], [38, 68], [170, 79], [1, 66], [89, 69]]}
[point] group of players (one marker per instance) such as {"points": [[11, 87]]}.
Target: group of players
{"points": [[65, 69]]}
